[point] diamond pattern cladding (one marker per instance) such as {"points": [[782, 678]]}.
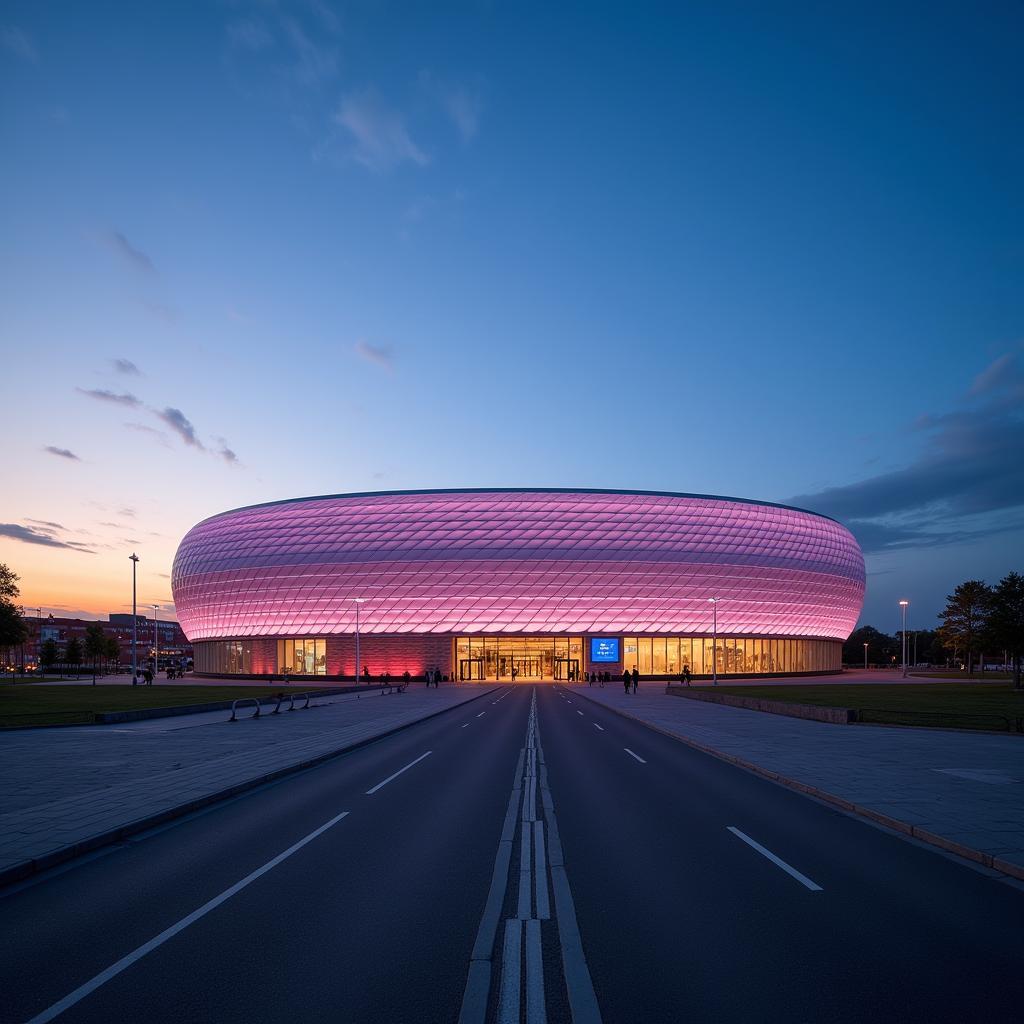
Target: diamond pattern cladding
{"points": [[517, 562]]}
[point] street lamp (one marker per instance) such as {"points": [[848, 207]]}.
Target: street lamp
{"points": [[357, 601], [135, 623], [865, 656], [156, 642], [713, 601], [903, 605]]}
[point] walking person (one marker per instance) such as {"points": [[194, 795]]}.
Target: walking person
{"points": [[636, 678], [685, 680], [626, 680]]}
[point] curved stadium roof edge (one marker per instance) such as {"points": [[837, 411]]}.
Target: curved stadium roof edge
{"points": [[520, 490]]}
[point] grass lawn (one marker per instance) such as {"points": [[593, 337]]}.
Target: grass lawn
{"points": [[53, 705], [942, 673], [945, 705]]}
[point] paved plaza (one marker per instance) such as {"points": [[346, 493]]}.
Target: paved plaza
{"points": [[64, 786], [965, 787]]}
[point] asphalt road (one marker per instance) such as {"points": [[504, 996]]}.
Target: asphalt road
{"points": [[352, 893]]}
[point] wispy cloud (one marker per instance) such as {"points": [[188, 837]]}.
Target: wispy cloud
{"points": [[45, 522], [381, 355], [313, 63], [44, 538], [250, 34], [17, 41], [126, 366], [378, 135], [64, 453], [103, 395], [967, 483], [225, 451], [462, 104], [162, 311], [135, 257], [181, 425]]}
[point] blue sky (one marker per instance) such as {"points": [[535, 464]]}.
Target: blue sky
{"points": [[709, 248]]}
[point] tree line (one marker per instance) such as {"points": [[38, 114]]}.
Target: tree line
{"points": [[978, 619]]}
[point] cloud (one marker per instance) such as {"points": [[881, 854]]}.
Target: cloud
{"points": [[17, 41], [144, 428], [461, 104], [250, 34], [162, 311], [136, 257], [45, 538], [64, 453], [126, 366], [225, 452], [102, 395], [313, 63], [180, 424], [378, 134], [378, 354], [46, 522], [967, 483]]}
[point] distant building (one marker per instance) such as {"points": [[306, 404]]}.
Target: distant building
{"points": [[174, 645]]}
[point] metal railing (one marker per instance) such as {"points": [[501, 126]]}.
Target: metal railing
{"points": [[243, 700], [292, 697]]}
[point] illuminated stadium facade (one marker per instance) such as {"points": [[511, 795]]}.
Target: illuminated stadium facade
{"points": [[520, 585]]}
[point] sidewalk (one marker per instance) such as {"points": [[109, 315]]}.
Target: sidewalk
{"points": [[958, 790], [70, 790]]}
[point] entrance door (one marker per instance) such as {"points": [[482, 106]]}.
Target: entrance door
{"points": [[471, 668], [567, 668]]}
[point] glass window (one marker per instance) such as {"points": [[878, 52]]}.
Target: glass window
{"points": [[658, 663], [672, 665], [629, 653], [644, 655]]}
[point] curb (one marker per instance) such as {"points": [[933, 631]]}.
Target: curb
{"points": [[904, 828], [34, 865]]}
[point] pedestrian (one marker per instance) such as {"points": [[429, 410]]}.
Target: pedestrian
{"points": [[627, 679], [406, 677], [686, 675], [366, 675], [636, 678]]}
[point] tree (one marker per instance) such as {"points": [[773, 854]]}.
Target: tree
{"points": [[13, 630], [963, 619], [880, 646], [73, 653], [95, 645], [48, 654], [1006, 620], [8, 584], [113, 651]]}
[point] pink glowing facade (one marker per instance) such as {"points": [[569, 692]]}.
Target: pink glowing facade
{"points": [[435, 569]]}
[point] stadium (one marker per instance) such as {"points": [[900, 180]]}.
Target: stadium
{"points": [[520, 585]]}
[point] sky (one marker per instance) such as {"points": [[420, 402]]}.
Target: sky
{"points": [[261, 250]]}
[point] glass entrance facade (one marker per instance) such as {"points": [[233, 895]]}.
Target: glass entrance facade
{"points": [[667, 655], [518, 658]]}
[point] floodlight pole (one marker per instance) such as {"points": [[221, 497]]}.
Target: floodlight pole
{"points": [[156, 641], [135, 623], [865, 657], [903, 605], [713, 601]]}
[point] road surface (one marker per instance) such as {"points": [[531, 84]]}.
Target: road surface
{"points": [[528, 856]]}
